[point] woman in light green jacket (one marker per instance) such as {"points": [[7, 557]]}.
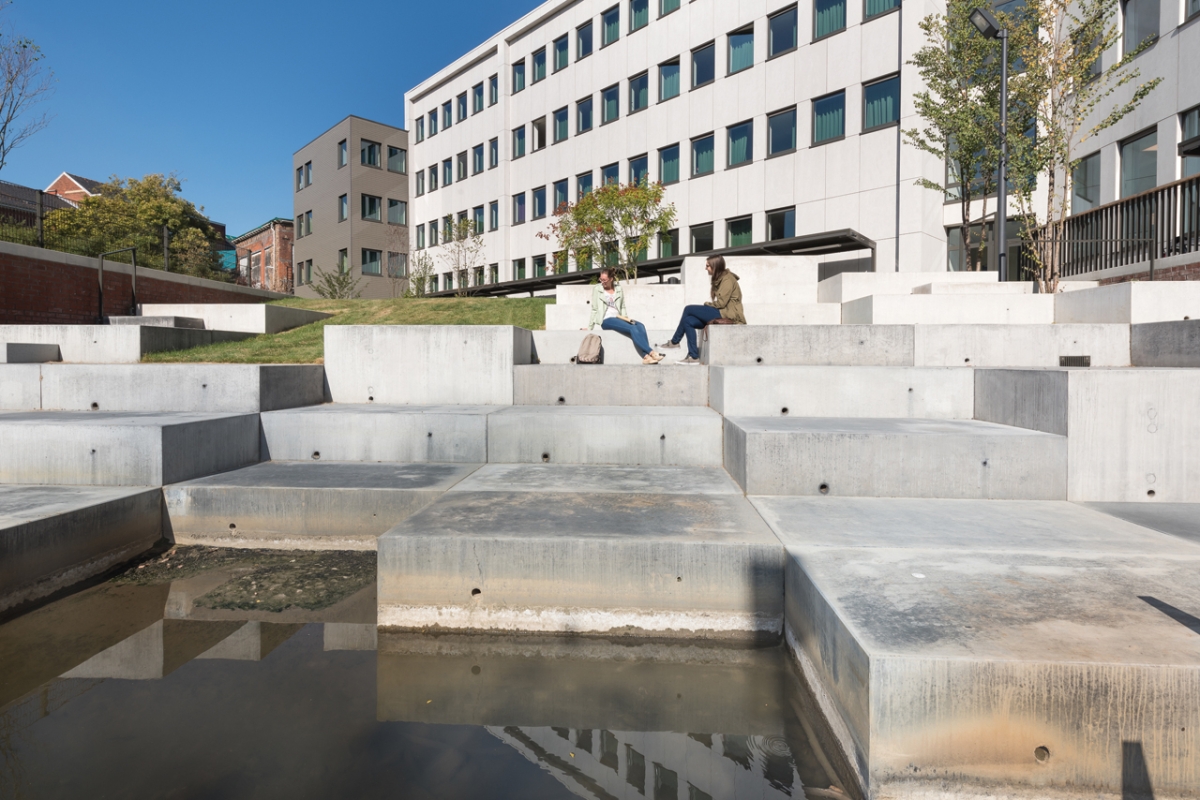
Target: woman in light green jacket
{"points": [[608, 311]]}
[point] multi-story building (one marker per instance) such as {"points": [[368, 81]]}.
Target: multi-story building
{"points": [[264, 256], [351, 207]]}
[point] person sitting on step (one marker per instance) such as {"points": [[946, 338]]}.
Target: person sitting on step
{"points": [[608, 311], [725, 305]]}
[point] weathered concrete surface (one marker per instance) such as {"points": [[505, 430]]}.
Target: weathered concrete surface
{"points": [[573, 478], [55, 536], [1177, 519], [894, 458], [298, 505], [929, 392], [809, 345], [247, 317], [1008, 287], [790, 280], [618, 435], [424, 364], [111, 344], [99, 448], [952, 639], [1028, 398], [20, 387], [1019, 345], [161, 321], [847, 286], [938, 309], [17, 353], [1132, 302], [792, 313], [559, 347], [1166, 344], [372, 432], [663, 384]]}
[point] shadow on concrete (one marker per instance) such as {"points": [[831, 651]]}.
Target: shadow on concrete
{"points": [[1135, 777], [1179, 615]]}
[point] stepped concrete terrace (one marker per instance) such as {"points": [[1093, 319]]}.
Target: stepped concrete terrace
{"points": [[107, 344], [244, 317]]}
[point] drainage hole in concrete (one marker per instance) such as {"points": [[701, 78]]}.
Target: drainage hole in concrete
{"points": [[476, 592], [784, 411], [562, 401], [679, 579], [985, 462], [475, 670], [316, 455], [966, 361], [545, 458], [429, 435], [371, 399], [1042, 754], [95, 406], [232, 527], [204, 386], [662, 438], [823, 488], [758, 360], [1150, 493], [910, 388]]}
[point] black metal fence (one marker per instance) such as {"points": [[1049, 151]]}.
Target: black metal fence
{"points": [[32, 217]]}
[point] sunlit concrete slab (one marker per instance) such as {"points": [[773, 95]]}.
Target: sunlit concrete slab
{"points": [[607, 385], [847, 286], [20, 387], [1017, 645], [110, 344], [1166, 344], [375, 432], [865, 457], [759, 313], [1176, 519], [937, 309], [246, 317], [655, 305], [653, 435], [99, 448], [52, 537], [790, 280], [304, 505], [977, 345], [559, 347], [1008, 287], [1133, 302], [163, 321], [809, 345], [575, 478], [925, 392]]}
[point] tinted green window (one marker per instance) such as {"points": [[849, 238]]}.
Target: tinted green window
{"points": [[639, 14], [668, 81], [519, 142], [781, 33], [539, 65], [667, 6], [741, 144], [610, 174], [781, 132], [583, 117], [829, 118], [881, 103], [561, 53], [518, 208], [740, 232], [372, 260], [560, 125], [639, 169], [560, 194], [1191, 126], [741, 51], [639, 92], [519, 269], [611, 26], [668, 244], [877, 7], [702, 156], [829, 17], [583, 41], [583, 184], [610, 104], [539, 202], [702, 238], [518, 76], [704, 67], [668, 164]]}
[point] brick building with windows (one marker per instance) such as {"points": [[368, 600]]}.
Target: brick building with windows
{"points": [[264, 256]]}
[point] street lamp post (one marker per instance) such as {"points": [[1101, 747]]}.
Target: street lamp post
{"points": [[990, 27]]}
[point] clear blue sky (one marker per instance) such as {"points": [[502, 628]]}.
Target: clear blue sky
{"points": [[223, 92]]}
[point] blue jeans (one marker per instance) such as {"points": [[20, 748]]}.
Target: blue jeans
{"points": [[636, 332], [694, 318]]}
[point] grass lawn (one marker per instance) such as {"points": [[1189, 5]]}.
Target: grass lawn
{"points": [[306, 345]]}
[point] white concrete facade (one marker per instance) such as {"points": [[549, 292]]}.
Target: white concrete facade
{"points": [[849, 182]]}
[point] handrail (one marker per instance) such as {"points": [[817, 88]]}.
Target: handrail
{"points": [[100, 317]]}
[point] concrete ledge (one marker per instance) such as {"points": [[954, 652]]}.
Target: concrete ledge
{"points": [[926, 392], [847, 286], [601, 480], [605, 385], [1166, 344], [1019, 345], [15, 353], [1008, 287], [787, 279], [245, 317], [937, 309], [559, 347], [160, 322], [20, 387], [793, 313], [54, 536], [111, 344], [809, 345], [1133, 302]]}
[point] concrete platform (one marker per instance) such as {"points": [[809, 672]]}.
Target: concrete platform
{"points": [[655, 305], [894, 458], [695, 565], [20, 387], [559, 347], [847, 286], [1019, 345], [1133, 302], [1033, 649], [54, 536], [789, 280], [303, 505], [245, 317], [1166, 344], [1176, 519], [111, 344], [1008, 287], [923, 392], [617, 435], [99, 448], [374, 432], [573, 478], [162, 322], [792, 313], [664, 384], [809, 345], [938, 309]]}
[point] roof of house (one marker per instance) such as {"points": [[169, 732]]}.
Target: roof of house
{"points": [[25, 198], [263, 227], [86, 184]]}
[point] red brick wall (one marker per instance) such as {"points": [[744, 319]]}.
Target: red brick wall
{"points": [[37, 291], [1186, 272]]}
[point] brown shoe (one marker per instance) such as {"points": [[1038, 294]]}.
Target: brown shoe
{"points": [[649, 359]]}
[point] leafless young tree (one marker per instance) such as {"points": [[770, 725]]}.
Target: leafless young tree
{"points": [[24, 82]]}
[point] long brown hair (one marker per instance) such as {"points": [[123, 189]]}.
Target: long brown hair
{"points": [[718, 267]]}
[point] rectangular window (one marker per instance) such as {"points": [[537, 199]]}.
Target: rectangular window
{"points": [[610, 174], [583, 184], [462, 106], [420, 183], [420, 129], [308, 223], [397, 265], [343, 261], [561, 125], [299, 178], [639, 92], [420, 237], [702, 156], [610, 104], [343, 208], [560, 195], [397, 160], [1190, 124], [518, 269], [308, 173], [1139, 164], [782, 35], [372, 262], [433, 126], [447, 172], [494, 273], [877, 7], [639, 14], [371, 207], [369, 153], [518, 144], [432, 283], [704, 65], [741, 143], [494, 215], [702, 238], [781, 132], [433, 233], [667, 6], [477, 98], [881, 103], [447, 115], [447, 229], [741, 50], [518, 213], [518, 76], [610, 26], [781, 224], [539, 266], [1141, 23], [560, 265], [1085, 184], [539, 202], [462, 166], [668, 80], [668, 164], [477, 159], [562, 52], [583, 115], [829, 17], [494, 153], [477, 220], [583, 41], [342, 156], [433, 179], [539, 133], [739, 232], [493, 90], [668, 243], [397, 212], [829, 117], [539, 65], [639, 169]]}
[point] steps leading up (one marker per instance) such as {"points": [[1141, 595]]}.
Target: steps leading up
{"points": [[664, 384], [110, 344], [941, 309]]}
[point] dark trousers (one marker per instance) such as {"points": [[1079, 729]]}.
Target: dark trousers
{"points": [[694, 318]]}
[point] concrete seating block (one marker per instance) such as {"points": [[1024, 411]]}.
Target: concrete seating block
{"points": [[808, 345], [973, 345], [298, 505], [1128, 303], [1166, 344], [922, 392], [424, 364], [559, 347], [847, 286], [937, 309], [894, 458], [616, 435], [655, 305], [101, 448], [20, 387], [52, 537], [162, 322], [245, 317], [792, 313], [789, 280], [110, 344], [373, 432], [608, 385], [1008, 287], [1175, 519], [18, 353]]}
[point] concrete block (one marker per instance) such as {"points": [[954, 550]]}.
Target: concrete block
{"points": [[302, 505], [792, 313], [894, 458], [570, 478], [1072, 285], [1008, 287], [929, 309], [1133, 302], [161, 322], [212, 388], [20, 387], [424, 364], [605, 385], [54, 536], [1176, 519], [790, 280], [110, 344], [924, 392], [655, 305], [246, 317], [132, 449], [617, 435], [1019, 345], [926, 623], [559, 347], [805, 345], [17, 353], [847, 286], [1166, 344], [1033, 399]]}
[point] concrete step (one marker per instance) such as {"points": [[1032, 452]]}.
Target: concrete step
{"points": [[847, 286], [99, 448], [17, 353], [52, 537], [559, 347], [790, 280], [110, 344], [1166, 344], [20, 387], [1008, 287], [665, 384], [655, 305], [374, 432], [809, 345], [1134, 302], [884, 392], [894, 458], [591, 555], [245, 317], [303, 505], [664, 314], [195, 323], [617, 435], [938, 309]]}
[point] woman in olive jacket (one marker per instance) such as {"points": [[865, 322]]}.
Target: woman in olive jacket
{"points": [[726, 303]]}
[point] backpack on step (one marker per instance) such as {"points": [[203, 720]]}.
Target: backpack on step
{"points": [[591, 351]]}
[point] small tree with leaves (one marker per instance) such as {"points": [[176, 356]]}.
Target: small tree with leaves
{"points": [[617, 221], [420, 270], [461, 252], [337, 285], [24, 83]]}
